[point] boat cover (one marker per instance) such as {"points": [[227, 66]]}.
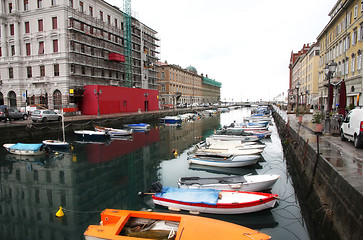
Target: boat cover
{"points": [[27, 146], [206, 196]]}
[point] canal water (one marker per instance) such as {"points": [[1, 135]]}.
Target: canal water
{"points": [[96, 176]]}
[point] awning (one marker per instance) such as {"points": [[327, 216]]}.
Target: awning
{"points": [[352, 94]]}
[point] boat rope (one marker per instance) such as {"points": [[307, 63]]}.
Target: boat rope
{"points": [[85, 212]]}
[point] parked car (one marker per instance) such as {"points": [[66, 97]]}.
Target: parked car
{"points": [[13, 112], [44, 115], [352, 127]]}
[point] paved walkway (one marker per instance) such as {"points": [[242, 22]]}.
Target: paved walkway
{"points": [[345, 158]]}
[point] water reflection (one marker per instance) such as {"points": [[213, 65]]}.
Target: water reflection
{"points": [[110, 174]]}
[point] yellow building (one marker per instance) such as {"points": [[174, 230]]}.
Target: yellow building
{"points": [[309, 66], [341, 41], [178, 85]]}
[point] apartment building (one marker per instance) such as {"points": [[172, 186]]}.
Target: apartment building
{"points": [[295, 74], [341, 41], [51, 49], [179, 85]]}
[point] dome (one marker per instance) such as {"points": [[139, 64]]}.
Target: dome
{"points": [[191, 69]]}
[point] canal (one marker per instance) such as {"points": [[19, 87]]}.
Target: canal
{"points": [[95, 176]]}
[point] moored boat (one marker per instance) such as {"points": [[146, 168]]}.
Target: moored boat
{"points": [[225, 161], [89, 135], [29, 149], [171, 120], [240, 183], [114, 132], [56, 144], [124, 224], [214, 201], [138, 126]]}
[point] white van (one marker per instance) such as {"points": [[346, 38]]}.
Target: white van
{"points": [[352, 127]]}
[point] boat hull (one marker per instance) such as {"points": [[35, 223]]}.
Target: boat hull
{"points": [[248, 183], [91, 135], [181, 226], [22, 152], [236, 161], [230, 202]]}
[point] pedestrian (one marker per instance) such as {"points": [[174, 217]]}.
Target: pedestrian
{"points": [[7, 115]]}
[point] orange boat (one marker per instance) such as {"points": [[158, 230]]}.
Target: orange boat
{"points": [[133, 225]]}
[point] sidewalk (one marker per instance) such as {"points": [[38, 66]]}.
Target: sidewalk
{"points": [[342, 155]]}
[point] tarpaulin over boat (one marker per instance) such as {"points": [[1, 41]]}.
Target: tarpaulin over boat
{"points": [[206, 196], [27, 146]]}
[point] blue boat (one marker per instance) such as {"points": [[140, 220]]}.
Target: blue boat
{"points": [[171, 120]]}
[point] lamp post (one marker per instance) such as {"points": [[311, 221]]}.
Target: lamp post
{"points": [[297, 93], [98, 100], [329, 70]]}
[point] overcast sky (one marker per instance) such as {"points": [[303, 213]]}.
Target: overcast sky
{"points": [[244, 44]]}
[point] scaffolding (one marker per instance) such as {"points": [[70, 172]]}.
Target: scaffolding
{"points": [[128, 43]]}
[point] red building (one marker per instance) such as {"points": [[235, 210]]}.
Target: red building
{"points": [[112, 99]]}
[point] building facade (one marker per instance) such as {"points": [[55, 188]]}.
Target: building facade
{"points": [[295, 74], [341, 41], [179, 85], [51, 49]]}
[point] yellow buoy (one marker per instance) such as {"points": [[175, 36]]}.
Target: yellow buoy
{"points": [[60, 213], [175, 152]]}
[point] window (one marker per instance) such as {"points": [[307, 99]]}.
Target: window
{"points": [[355, 11], [27, 27], [41, 48], [101, 15], [73, 68], [82, 48], [349, 19], [56, 70], [27, 46], [91, 30], [359, 62], [83, 70], [11, 73], [29, 72], [12, 50], [54, 22], [82, 26], [354, 37], [42, 70], [10, 7], [26, 5], [70, 3], [54, 2], [360, 32], [12, 29], [347, 66], [40, 25], [39, 3], [92, 51], [91, 11], [55, 45], [81, 6], [353, 64], [115, 22], [108, 19]]}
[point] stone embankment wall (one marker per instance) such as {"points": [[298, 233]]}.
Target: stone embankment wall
{"points": [[331, 207]]}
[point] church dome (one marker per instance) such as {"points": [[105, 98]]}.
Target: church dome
{"points": [[191, 69]]}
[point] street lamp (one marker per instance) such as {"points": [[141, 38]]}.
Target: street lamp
{"points": [[297, 93], [329, 71], [98, 99]]}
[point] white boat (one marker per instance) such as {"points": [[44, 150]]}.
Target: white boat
{"points": [[138, 126], [114, 132], [171, 120], [251, 138], [227, 152], [89, 135], [240, 183], [219, 161], [216, 144], [214, 201], [28, 149], [58, 144]]}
